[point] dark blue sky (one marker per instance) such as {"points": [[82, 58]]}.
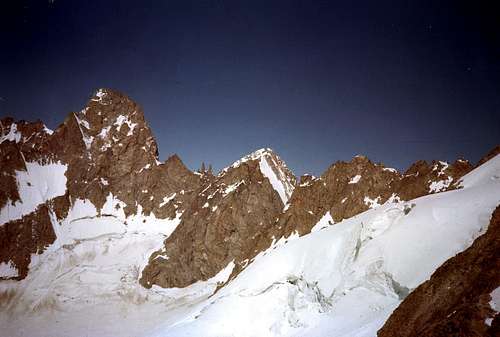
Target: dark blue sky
{"points": [[318, 81]]}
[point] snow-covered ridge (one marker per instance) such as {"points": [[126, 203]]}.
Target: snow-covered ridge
{"points": [[38, 184], [487, 173], [256, 155]]}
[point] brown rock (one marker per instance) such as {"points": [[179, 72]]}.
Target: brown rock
{"points": [[342, 190], [423, 178], [21, 238], [224, 223]]}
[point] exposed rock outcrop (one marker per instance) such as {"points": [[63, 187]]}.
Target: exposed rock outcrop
{"points": [[455, 301], [117, 154], [29, 235], [224, 222]]}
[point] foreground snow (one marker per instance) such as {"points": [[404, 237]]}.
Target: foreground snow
{"points": [[341, 280]]}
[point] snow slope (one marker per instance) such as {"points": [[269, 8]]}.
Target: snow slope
{"points": [[346, 279], [343, 279]]}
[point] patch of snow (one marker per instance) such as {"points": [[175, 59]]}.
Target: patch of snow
{"points": [[372, 203], [104, 182], [8, 270], [121, 119], [13, 135], [38, 184], [146, 167], [167, 199], [325, 221], [494, 304], [495, 300], [390, 169], [231, 188], [440, 185], [114, 207], [355, 179], [46, 130], [104, 132], [394, 198], [99, 95]]}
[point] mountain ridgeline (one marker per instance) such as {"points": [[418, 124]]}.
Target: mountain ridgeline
{"points": [[105, 157]]}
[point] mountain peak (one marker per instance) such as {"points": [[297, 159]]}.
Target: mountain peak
{"points": [[273, 168], [256, 155]]}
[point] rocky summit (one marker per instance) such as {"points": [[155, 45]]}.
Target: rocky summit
{"points": [[91, 221], [104, 156]]}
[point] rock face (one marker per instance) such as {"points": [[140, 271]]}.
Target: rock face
{"points": [[455, 301], [224, 222], [21, 238], [104, 152], [344, 190], [117, 154]]}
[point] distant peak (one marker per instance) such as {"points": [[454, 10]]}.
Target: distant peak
{"points": [[259, 153], [360, 157], [174, 159], [100, 94], [271, 167], [256, 155], [107, 96]]}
